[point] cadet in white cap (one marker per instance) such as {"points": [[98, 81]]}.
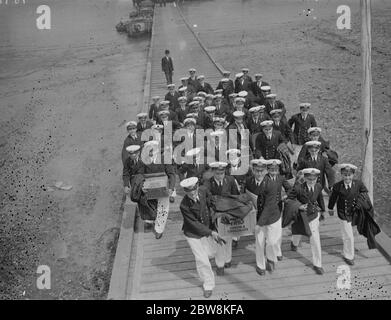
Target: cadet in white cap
{"points": [[309, 194], [239, 126], [132, 166], [222, 109], [256, 116], [254, 178], [192, 82], [183, 82], [316, 160], [197, 208], [209, 115], [282, 126], [143, 122], [194, 165], [222, 185], [172, 96], [268, 232], [241, 82], [133, 137], [346, 194], [272, 103], [153, 163], [256, 88], [204, 86], [153, 108], [301, 122], [182, 111], [209, 100], [227, 80], [267, 141], [218, 123]]}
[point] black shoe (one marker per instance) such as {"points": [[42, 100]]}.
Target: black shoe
{"points": [[172, 199], [348, 261], [207, 293], [321, 218], [318, 270], [260, 271], [234, 244], [158, 235], [227, 265], [220, 271], [279, 258], [293, 247], [270, 266]]}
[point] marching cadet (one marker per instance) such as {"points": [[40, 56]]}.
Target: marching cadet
{"points": [[164, 118], [281, 126], [184, 93], [217, 143], [302, 122], [209, 115], [309, 194], [345, 193], [183, 83], [133, 137], [268, 231], [172, 96], [227, 90], [265, 90], [316, 160], [239, 82], [226, 75], [143, 122], [242, 134], [256, 86], [314, 134], [247, 101], [231, 99], [267, 141], [222, 185], [222, 110], [132, 166], [204, 86], [252, 185], [218, 123], [154, 108], [152, 164], [192, 82], [247, 77], [272, 103], [234, 168], [164, 106], [209, 100], [239, 103], [182, 111], [194, 168], [256, 116], [197, 209]]}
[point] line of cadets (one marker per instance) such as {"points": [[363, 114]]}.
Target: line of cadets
{"points": [[244, 104]]}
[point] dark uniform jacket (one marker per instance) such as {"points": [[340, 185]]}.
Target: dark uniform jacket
{"points": [[255, 127], [228, 188], [256, 89], [314, 200], [207, 88], [240, 178], [223, 110], [148, 125], [129, 141], [131, 168], [167, 65], [269, 204], [197, 218], [277, 105], [251, 185], [187, 170], [173, 98], [181, 114], [268, 148], [230, 85], [193, 85], [321, 164], [346, 200], [323, 148], [245, 86], [300, 133], [285, 130], [153, 110]]}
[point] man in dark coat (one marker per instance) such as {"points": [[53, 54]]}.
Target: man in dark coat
{"points": [[268, 141], [310, 195], [133, 138], [222, 185], [172, 96], [204, 86], [154, 108], [256, 86], [182, 110], [222, 109], [302, 122], [167, 66], [193, 84], [272, 103], [197, 208], [242, 134], [269, 228], [281, 126], [132, 166], [316, 160], [143, 122], [346, 194], [194, 167]]}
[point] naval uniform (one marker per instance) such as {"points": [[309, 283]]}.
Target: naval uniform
{"points": [[346, 198], [197, 228], [321, 163], [314, 198], [267, 148], [226, 188], [129, 141], [268, 232]]}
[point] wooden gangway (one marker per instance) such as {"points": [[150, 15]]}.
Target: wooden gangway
{"points": [[146, 268]]}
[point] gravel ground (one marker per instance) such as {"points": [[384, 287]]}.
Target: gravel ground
{"points": [[306, 58], [65, 95]]}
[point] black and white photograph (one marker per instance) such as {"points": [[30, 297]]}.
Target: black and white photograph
{"points": [[205, 151]]}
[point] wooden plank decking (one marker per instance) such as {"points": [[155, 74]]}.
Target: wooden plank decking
{"points": [[165, 268]]}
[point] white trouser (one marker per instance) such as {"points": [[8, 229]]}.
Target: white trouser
{"points": [[348, 239], [163, 205], [314, 241], [203, 249], [224, 252], [267, 236]]}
